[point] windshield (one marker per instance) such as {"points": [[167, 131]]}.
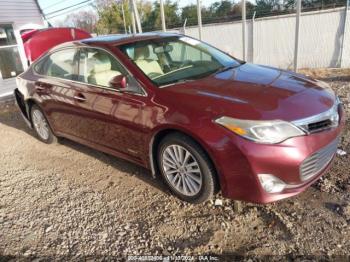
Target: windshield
{"points": [[175, 59]]}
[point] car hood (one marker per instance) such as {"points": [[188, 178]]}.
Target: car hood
{"points": [[254, 92]]}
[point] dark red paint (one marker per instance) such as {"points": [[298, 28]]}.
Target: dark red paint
{"points": [[37, 42], [128, 125]]}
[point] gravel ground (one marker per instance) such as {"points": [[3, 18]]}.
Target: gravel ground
{"points": [[67, 201]]}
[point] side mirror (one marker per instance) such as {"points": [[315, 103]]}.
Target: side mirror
{"points": [[118, 82]]}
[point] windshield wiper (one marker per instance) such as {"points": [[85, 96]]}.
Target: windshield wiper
{"points": [[225, 68], [179, 81]]}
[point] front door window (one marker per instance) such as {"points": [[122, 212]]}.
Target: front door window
{"points": [[10, 61]]}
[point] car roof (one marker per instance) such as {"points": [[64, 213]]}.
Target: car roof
{"points": [[116, 39]]}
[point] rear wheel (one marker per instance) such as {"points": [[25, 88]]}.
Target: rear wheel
{"points": [[186, 168], [41, 126]]}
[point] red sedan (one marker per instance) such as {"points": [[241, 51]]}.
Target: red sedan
{"points": [[200, 118]]}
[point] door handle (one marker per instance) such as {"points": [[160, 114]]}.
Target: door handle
{"points": [[80, 98], [42, 86]]}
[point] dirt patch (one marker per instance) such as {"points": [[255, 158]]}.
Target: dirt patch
{"points": [[326, 73], [69, 201]]}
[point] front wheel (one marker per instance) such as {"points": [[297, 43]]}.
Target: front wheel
{"points": [[186, 168], [41, 126]]}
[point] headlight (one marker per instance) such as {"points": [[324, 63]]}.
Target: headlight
{"points": [[268, 132]]}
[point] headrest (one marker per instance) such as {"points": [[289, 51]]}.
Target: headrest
{"points": [[101, 63], [141, 52]]}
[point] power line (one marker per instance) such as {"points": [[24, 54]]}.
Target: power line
{"points": [[69, 11], [62, 9], [54, 4]]}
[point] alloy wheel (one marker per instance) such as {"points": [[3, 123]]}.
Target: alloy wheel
{"points": [[40, 124], [182, 170]]}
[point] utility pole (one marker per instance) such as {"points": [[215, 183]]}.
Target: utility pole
{"points": [[297, 32], [162, 16], [344, 32], [199, 14], [244, 24], [125, 31], [184, 27], [134, 31], [253, 40], [137, 16]]}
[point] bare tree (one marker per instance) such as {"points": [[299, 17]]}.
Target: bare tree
{"points": [[85, 20]]}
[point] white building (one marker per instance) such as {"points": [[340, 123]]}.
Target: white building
{"points": [[16, 16]]}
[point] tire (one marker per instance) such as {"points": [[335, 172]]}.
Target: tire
{"points": [[41, 126], [196, 175]]}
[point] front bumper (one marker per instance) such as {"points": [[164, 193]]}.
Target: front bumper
{"points": [[239, 178]]}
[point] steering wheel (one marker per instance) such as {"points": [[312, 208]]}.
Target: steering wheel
{"points": [[166, 68]]}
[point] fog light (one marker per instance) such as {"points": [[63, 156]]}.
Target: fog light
{"points": [[271, 184]]}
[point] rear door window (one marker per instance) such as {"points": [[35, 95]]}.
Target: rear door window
{"points": [[98, 67]]}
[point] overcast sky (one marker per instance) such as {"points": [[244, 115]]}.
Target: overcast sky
{"points": [[49, 6], [53, 5]]}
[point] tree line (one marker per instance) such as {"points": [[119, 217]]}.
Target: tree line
{"points": [[107, 16]]}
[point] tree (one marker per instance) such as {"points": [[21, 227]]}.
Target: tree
{"points": [[237, 9], [290, 4], [267, 6], [153, 20], [190, 13], [145, 9], [111, 16], [85, 20], [221, 9]]}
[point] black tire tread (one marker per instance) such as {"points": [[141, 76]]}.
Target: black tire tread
{"points": [[208, 169], [52, 138]]}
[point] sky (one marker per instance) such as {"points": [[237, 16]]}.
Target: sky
{"points": [[49, 6]]}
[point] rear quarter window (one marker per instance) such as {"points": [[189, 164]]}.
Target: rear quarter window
{"points": [[60, 64], [40, 66]]}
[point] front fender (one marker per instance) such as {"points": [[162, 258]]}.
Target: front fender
{"points": [[195, 134]]}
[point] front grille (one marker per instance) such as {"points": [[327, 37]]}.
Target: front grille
{"points": [[318, 126], [315, 163]]}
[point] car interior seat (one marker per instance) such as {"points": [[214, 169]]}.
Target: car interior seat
{"points": [[149, 66], [101, 72]]}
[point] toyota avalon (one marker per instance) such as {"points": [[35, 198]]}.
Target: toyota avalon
{"points": [[200, 118]]}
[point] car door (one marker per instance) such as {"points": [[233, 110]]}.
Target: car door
{"points": [[109, 118], [56, 73]]}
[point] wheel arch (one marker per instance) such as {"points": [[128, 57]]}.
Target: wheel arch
{"points": [[30, 102], [25, 106], [157, 138]]}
